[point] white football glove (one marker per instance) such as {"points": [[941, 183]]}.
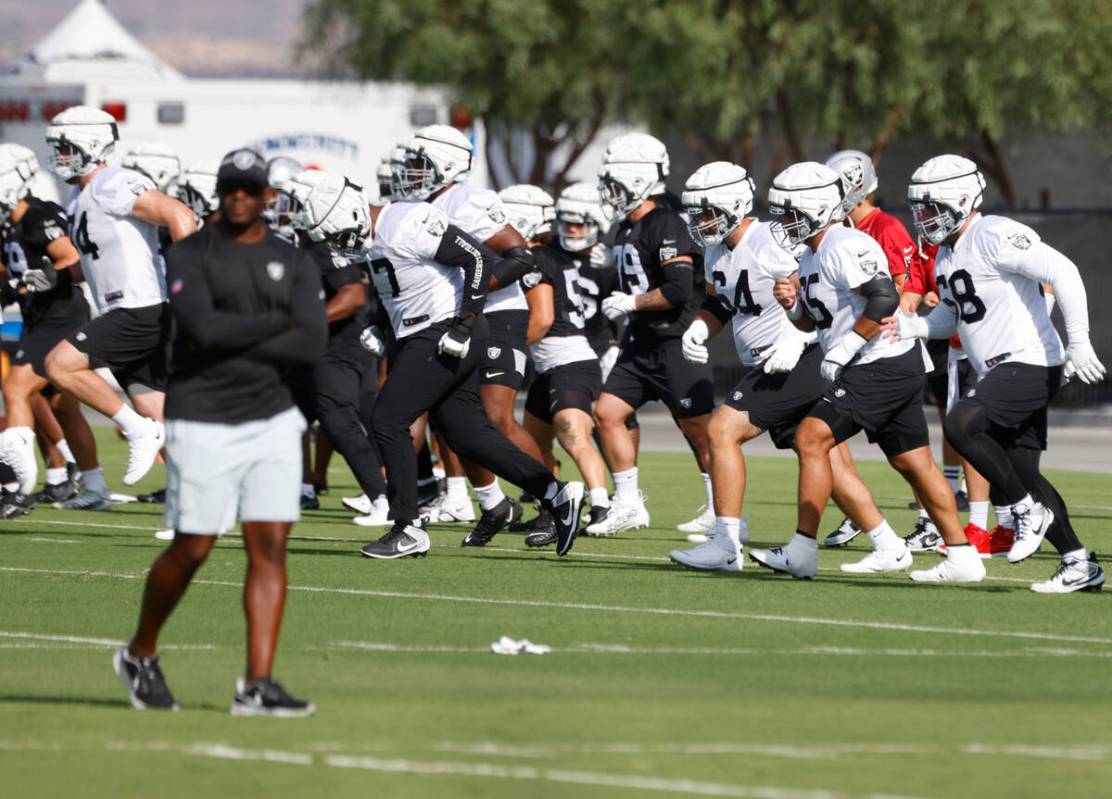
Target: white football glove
{"points": [[618, 305], [608, 359], [372, 341], [911, 326], [1081, 360], [840, 354], [782, 356], [694, 342], [456, 343], [42, 279]]}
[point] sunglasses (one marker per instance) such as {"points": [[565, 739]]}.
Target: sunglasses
{"points": [[232, 186]]}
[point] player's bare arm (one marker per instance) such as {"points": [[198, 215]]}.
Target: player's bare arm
{"points": [[159, 209]]}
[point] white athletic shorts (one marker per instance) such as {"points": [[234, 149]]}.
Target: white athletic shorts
{"points": [[217, 474]]}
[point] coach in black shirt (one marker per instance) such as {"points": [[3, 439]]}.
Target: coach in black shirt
{"points": [[247, 306]]}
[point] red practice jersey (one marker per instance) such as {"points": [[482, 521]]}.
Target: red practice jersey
{"points": [[920, 278], [893, 237]]}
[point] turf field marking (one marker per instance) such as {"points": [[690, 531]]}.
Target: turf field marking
{"points": [[54, 540], [541, 603], [77, 640]]}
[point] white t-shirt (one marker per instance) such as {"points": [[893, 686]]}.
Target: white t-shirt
{"points": [[415, 289], [846, 258], [481, 214], [120, 255], [1001, 312], [743, 278]]}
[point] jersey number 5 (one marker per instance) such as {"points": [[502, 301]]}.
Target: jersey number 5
{"points": [[380, 266], [970, 307], [823, 318], [82, 240], [743, 298]]}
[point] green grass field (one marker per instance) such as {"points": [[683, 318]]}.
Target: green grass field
{"points": [[661, 681]]}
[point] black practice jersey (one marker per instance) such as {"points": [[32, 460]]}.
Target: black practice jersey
{"points": [[560, 269], [243, 313], [343, 332], [25, 244], [639, 249], [596, 283]]}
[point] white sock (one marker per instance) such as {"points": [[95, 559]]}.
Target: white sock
{"points": [[438, 472], [63, 447], [953, 476], [923, 514], [710, 489], [56, 476], [730, 525], [94, 480], [1003, 515], [457, 490], [130, 422], [490, 496], [1077, 554], [978, 514], [625, 487], [804, 543], [308, 490], [1023, 505], [884, 537], [599, 498], [959, 552]]}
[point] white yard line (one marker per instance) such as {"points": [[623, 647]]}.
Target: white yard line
{"points": [[66, 641], [618, 609]]}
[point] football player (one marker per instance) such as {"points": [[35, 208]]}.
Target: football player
{"points": [[437, 160], [197, 188], [990, 271], [661, 291], [876, 384], [432, 280], [115, 223], [157, 161]]}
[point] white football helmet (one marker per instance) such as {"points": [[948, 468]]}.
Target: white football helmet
{"points": [[154, 159], [807, 197], [197, 188], [717, 197], [80, 138], [337, 213], [18, 165], [944, 192], [633, 169], [530, 209], [435, 156], [279, 209], [858, 176], [581, 204]]}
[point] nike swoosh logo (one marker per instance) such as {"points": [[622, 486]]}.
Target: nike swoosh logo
{"points": [[569, 519], [494, 374], [1078, 581], [731, 561], [477, 296], [403, 547]]}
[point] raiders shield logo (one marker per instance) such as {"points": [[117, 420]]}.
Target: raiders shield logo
{"points": [[1020, 241], [276, 270], [497, 215], [971, 392], [839, 392], [243, 159], [667, 253], [435, 227], [493, 352], [531, 279], [685, 402], [737, 395]]}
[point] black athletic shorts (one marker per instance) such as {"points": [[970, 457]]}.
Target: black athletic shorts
{"points": [[937, 380], [778, 403], [1016, 396], [131, 342], [504, 361], [884, 398], [573, 385], [663, 374], [37, 340]]}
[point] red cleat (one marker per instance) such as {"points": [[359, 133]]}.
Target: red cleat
{"points": [[1001, 540], [981, 540]]}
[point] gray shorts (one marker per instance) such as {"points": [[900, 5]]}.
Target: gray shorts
{"points": [[217, 474]]}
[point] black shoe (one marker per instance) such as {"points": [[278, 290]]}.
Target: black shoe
{"points": [[59, 492], [564, 508], [154, 498], [320, 488], [13, 505], [73, 473], [268, 698], [492, 522], [309, 502], [542, 538], [538, 524], [427, 493], [526, 498], [963, 501], [597, 515], [401, 541], [144, 681]]}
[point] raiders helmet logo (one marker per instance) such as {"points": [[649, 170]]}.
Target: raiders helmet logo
{"points": [[685, 402], [81, 336], [243, 159], [531, 279], [668, 253], [497, 215], [839, 392], [52, 231], [493, 352], [737, 395], [1020, 241], [276, 270], [869, 267], [435, 227], [971, 392]]}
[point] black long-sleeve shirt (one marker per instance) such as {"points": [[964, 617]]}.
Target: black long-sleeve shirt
{"points": [[243, 313]]}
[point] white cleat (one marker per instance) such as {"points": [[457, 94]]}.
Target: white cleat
{"points": [[142, 451], [1075, 574], [962, 565], [17, 449], [379, 515], [164, 535], [703, 523], [893, 559], [794, 558], [719, 553], [698, 538], [449, 511], [619, 518], [1030, 530], [360, 504]]}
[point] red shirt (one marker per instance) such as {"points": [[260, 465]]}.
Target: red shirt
{"points": [[920, 278], [893, 237]]}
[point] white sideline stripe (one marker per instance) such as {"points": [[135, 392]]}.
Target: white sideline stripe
{"points": [[78, 640], [540, 603], [54, 540]]}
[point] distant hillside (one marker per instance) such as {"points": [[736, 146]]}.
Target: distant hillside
{"points": [[199, 37]]}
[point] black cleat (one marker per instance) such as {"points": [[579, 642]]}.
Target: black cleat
{"points": [[962, 500], [13, 505], [144, 681], [564, 508], [268, 698], [538, 524], [542, 538], [401, 541], [428, 492], [154, 498], [597, 515], [59, 492], [309, 502], [492, 522]]}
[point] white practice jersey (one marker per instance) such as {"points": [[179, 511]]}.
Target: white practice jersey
{"points": [[481, 214], [1001, 313], [121, 256], [743, 278], [846, 258], [415, 289]]}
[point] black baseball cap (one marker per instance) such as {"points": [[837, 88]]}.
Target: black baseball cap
{"points": [[243, 167]]}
